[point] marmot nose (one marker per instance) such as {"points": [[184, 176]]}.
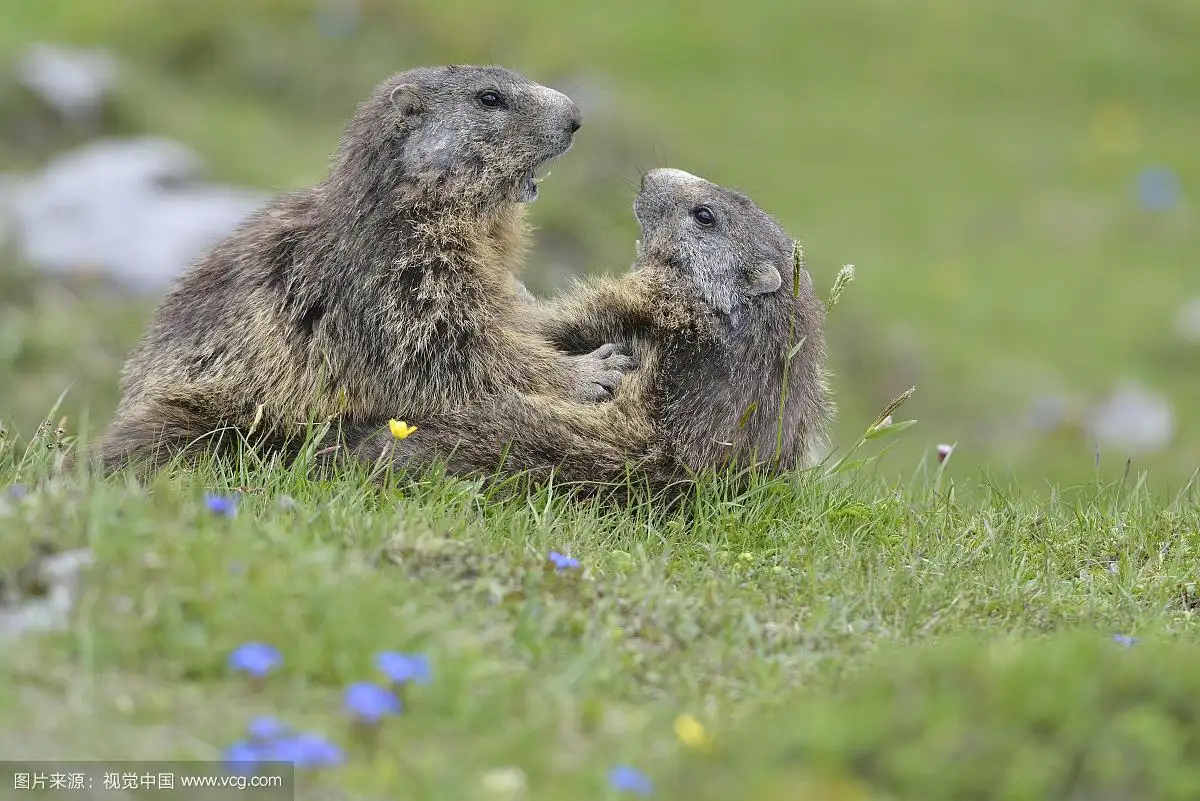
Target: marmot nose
{"points": [[649, 177], [575, 121], [666, 175]]}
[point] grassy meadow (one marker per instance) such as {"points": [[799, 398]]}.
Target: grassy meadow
{"points": [[897, 630]]}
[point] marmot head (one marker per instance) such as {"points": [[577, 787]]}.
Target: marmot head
{"points": [[457, 134], [734, 253]]}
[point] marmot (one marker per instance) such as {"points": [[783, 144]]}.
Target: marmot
{"points": [[712, 310], [386, 291]]}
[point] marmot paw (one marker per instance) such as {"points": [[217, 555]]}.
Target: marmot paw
{"points": [[600, 372]]}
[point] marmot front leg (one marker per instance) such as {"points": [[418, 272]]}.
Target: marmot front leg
{"points": [[596, 313], [536, 367]]}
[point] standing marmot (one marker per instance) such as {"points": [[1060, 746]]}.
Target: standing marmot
{"points": [[711, 312], [385, 291]]}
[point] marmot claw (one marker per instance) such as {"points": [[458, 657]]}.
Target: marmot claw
{"points": [[601, 371]]}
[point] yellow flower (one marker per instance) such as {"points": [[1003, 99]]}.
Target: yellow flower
{"points": [[400, 429], [1115, 129], [691, 732]]}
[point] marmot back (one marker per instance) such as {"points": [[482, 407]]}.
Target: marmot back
{"points": [[385, 291], [711, 310]]}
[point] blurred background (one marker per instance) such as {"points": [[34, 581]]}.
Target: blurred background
{"points": [[1014, 182]]}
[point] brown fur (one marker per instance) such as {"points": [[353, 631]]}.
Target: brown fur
{"points": [[385, 291], [710, 314]]}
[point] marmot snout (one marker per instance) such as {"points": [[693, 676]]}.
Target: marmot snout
{"points": [[476, 126]]}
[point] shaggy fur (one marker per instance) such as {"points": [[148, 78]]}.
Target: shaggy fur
{"points": [[711, 313], [386, 291]]}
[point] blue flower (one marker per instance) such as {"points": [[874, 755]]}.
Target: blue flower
{"points": [[1158, 188], [403, 668], [370, 703], [563, 562], [630, 780], [1124, 639], [16, 492], [305, 750], [255, 658], [222, 505], [242, 758], [266, 728]]}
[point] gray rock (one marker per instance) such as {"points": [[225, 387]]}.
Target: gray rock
{"points": [[75, 83], [123, 163], [134, 209], [1187, 321], [1051, 412], [9, 185], [1133, 420], [51, 612]]}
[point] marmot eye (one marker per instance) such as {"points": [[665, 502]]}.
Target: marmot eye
{"points": [[490, 99], [704, 216]]}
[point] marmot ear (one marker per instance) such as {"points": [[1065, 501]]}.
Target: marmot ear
{"points": [[406, 99], [763, 278]]}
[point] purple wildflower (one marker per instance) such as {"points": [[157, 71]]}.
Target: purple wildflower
{"points": [[241, 758], [630, 780], [370, 703], [255, 658], [265, 728], [562, 562], [305, 750], [221, 505], [403, 668]]}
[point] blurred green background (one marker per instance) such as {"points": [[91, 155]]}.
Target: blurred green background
{"points": [[981, 163]]}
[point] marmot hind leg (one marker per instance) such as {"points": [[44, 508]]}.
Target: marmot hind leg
{"points": [[538, 437], [153, 434]]}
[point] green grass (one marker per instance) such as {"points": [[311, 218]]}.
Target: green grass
{"points": [[822, 628], [894, 631]]}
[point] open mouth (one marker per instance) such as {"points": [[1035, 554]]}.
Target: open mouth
{"points": [[529, 189], [529, 186]]}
